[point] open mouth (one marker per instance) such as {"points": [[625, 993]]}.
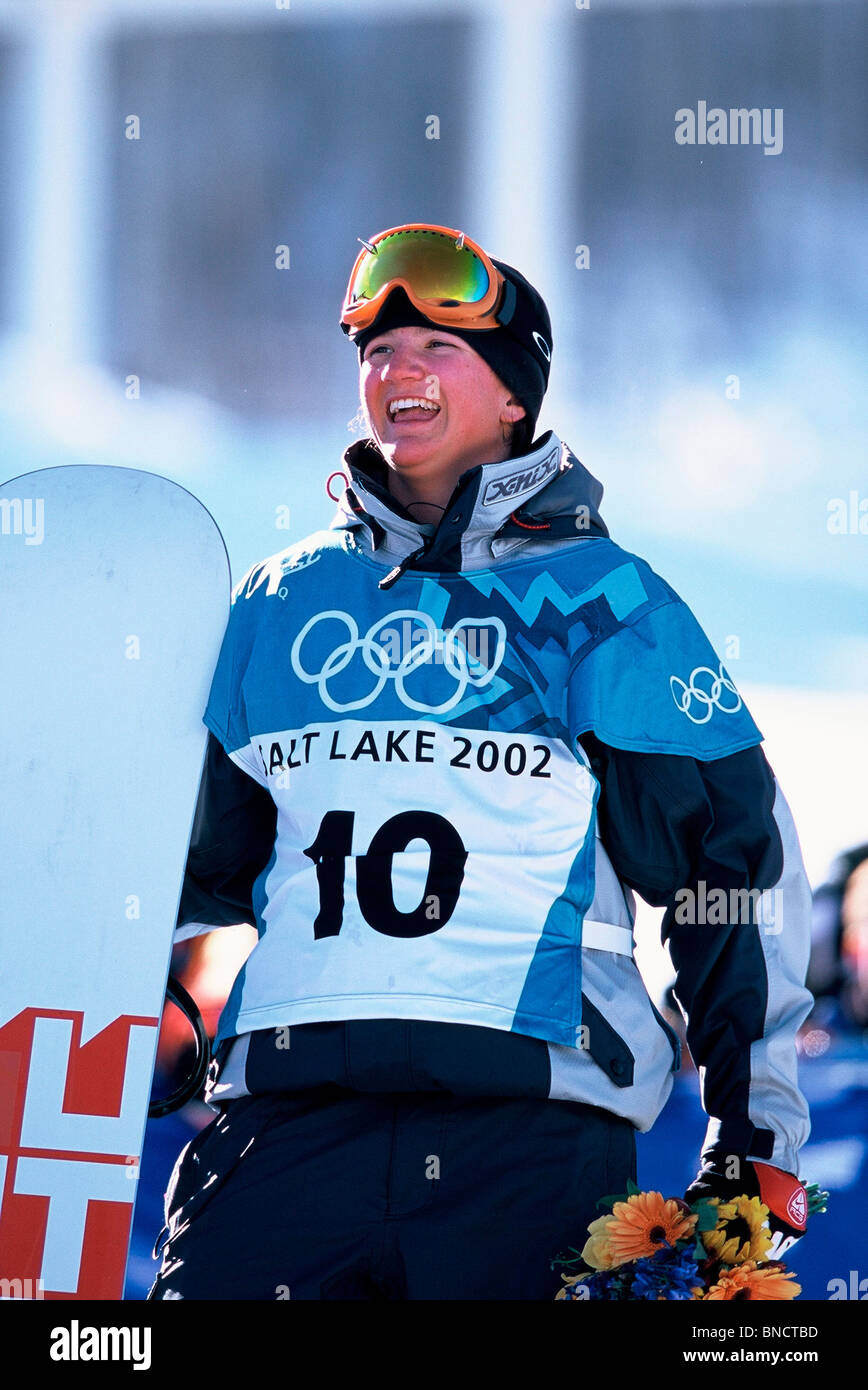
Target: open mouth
{"points": [[412, 408]]}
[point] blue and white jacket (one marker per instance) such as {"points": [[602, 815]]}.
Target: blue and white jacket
{"points": [[440, 762]]}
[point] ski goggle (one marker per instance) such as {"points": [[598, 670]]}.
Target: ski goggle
{"points": [[448, 277]]}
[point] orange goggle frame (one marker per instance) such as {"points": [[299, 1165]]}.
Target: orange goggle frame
{"points": [[448, 277]]}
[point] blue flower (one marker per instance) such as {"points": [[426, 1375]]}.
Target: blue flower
{"points": [[668, 1274]]}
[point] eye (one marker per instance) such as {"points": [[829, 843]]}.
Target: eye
{"points": [[440, 342], [381, 347]]}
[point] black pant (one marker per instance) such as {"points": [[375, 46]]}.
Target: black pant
{"points": [[335, 1194]]}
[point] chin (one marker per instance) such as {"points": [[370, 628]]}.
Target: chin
{"points": [[405, 453]]}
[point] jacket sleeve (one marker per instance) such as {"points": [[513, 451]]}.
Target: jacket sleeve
{"points": [[230, 845], [713, 842]]}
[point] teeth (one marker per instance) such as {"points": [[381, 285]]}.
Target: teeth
{"points": [[407, 402]]}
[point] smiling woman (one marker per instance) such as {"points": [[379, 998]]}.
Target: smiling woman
{"points": [[436, 1057], [437, 322], [435, 408]]}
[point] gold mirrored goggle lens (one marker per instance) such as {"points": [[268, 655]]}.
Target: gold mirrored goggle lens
{"points": [[436, 267]]}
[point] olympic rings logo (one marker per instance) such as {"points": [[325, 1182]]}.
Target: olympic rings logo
{"points": [[434, 643], [709, 699]]}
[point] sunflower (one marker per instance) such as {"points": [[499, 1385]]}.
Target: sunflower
{"points": [[748, 1280], [741, 1233], [644, 1223]]}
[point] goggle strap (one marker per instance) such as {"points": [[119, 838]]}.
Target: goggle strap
{"points": [[507, 309]]}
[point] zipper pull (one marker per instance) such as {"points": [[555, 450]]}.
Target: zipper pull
{"points": [[396, 573]]}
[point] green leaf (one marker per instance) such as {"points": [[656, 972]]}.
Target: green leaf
{"points": [[632, 1189], [610, 1201], [706, 1213]]}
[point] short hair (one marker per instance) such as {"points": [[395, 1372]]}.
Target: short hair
{"points": [[521, 437]]}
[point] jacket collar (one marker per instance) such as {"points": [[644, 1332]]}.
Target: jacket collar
{"points": [[546, 493]]}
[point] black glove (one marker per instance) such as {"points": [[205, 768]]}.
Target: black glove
{"points": [[783, 1193]]}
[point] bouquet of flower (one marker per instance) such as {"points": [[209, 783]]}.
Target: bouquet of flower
{"points": [[646, 1246]]}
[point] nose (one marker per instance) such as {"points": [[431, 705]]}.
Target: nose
{"points": [[405, 360]]}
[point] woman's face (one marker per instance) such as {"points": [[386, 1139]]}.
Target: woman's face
{"points": [[465, 409]]}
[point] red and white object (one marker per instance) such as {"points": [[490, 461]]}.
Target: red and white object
{"points": [[114, 594]]}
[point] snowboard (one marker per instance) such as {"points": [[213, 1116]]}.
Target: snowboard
{"points": [[114, 596]]}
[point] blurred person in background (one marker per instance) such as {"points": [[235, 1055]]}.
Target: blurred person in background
{"points": [[838, 970], [436, 1058]]}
